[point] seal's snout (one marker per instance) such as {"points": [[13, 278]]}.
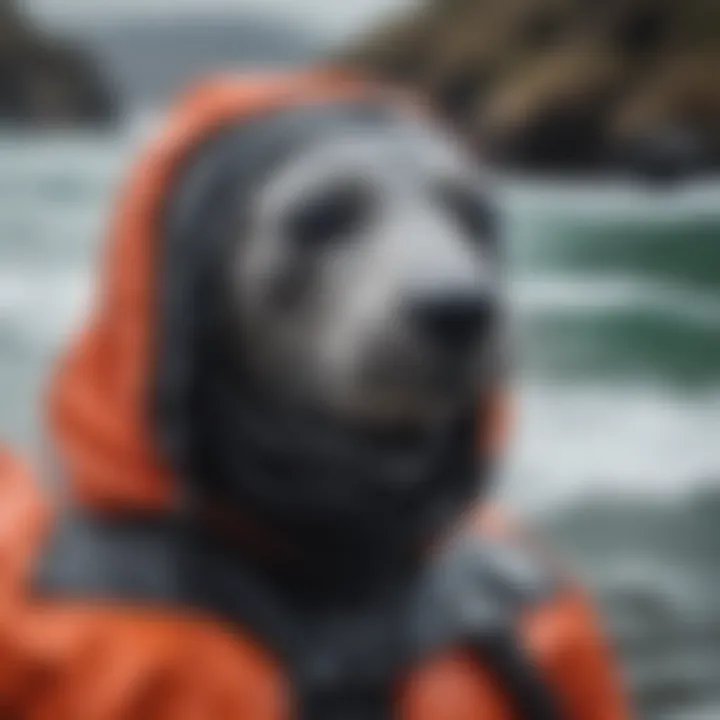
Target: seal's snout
{"points": [[454, 320]]}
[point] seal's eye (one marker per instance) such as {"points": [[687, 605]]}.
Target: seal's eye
{"points": [[476, 216], [335, 214]]}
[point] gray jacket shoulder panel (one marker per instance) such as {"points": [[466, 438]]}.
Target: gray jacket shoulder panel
{"points": [[479, 586]]}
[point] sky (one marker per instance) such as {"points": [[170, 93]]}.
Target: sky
{"points": [[330, 15]]}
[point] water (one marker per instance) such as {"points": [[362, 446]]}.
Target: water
{"points": [[617, 298]]}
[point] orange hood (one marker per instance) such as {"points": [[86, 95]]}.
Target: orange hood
{"points": [[100, 416], [100, 420]]}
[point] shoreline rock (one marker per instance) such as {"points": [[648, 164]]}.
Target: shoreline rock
{"points": [[560, 86], [47, 81]]}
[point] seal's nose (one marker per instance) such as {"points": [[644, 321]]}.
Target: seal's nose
{"points": [[455, 320]]}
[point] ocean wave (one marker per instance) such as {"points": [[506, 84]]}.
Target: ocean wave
{"points": [[612, 201], [630, 441], [591, 295], [38, 309]]}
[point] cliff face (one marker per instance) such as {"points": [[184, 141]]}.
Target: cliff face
{"points": [[45, 81], [566, 84]]}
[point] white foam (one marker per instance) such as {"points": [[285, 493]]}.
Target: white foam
{"points": [[614, 294], [615, 199], [575, 441], [40, 308]]}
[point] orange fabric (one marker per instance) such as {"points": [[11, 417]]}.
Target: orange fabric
{"points": [[575, 659], [570, 654], [495, 431], [75, 661], [82, 661]]}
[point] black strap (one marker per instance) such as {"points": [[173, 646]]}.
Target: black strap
{"points": [[530, 694], [346, 662]]}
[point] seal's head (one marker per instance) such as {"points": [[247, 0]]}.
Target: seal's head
{"points": [[364, 283], [301, 324], [348, 311]]}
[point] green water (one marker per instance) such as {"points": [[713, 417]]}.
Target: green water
{"points": [[619, 331]]}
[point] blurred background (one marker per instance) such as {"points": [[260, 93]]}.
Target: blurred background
{"points": [[602, 121]]}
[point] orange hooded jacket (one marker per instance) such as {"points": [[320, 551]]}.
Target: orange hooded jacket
{"points": [[89, 660]]}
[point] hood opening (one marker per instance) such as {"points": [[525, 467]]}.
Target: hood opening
{"points": [[100, 417]]}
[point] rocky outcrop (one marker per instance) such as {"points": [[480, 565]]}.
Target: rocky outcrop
{"points": [[561, 85], [45, 81]]}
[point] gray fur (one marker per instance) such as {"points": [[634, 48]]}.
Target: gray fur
{"points": [[344, 342]]}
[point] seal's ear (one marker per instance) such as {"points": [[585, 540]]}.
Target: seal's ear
{"points": [[496, 423]]}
